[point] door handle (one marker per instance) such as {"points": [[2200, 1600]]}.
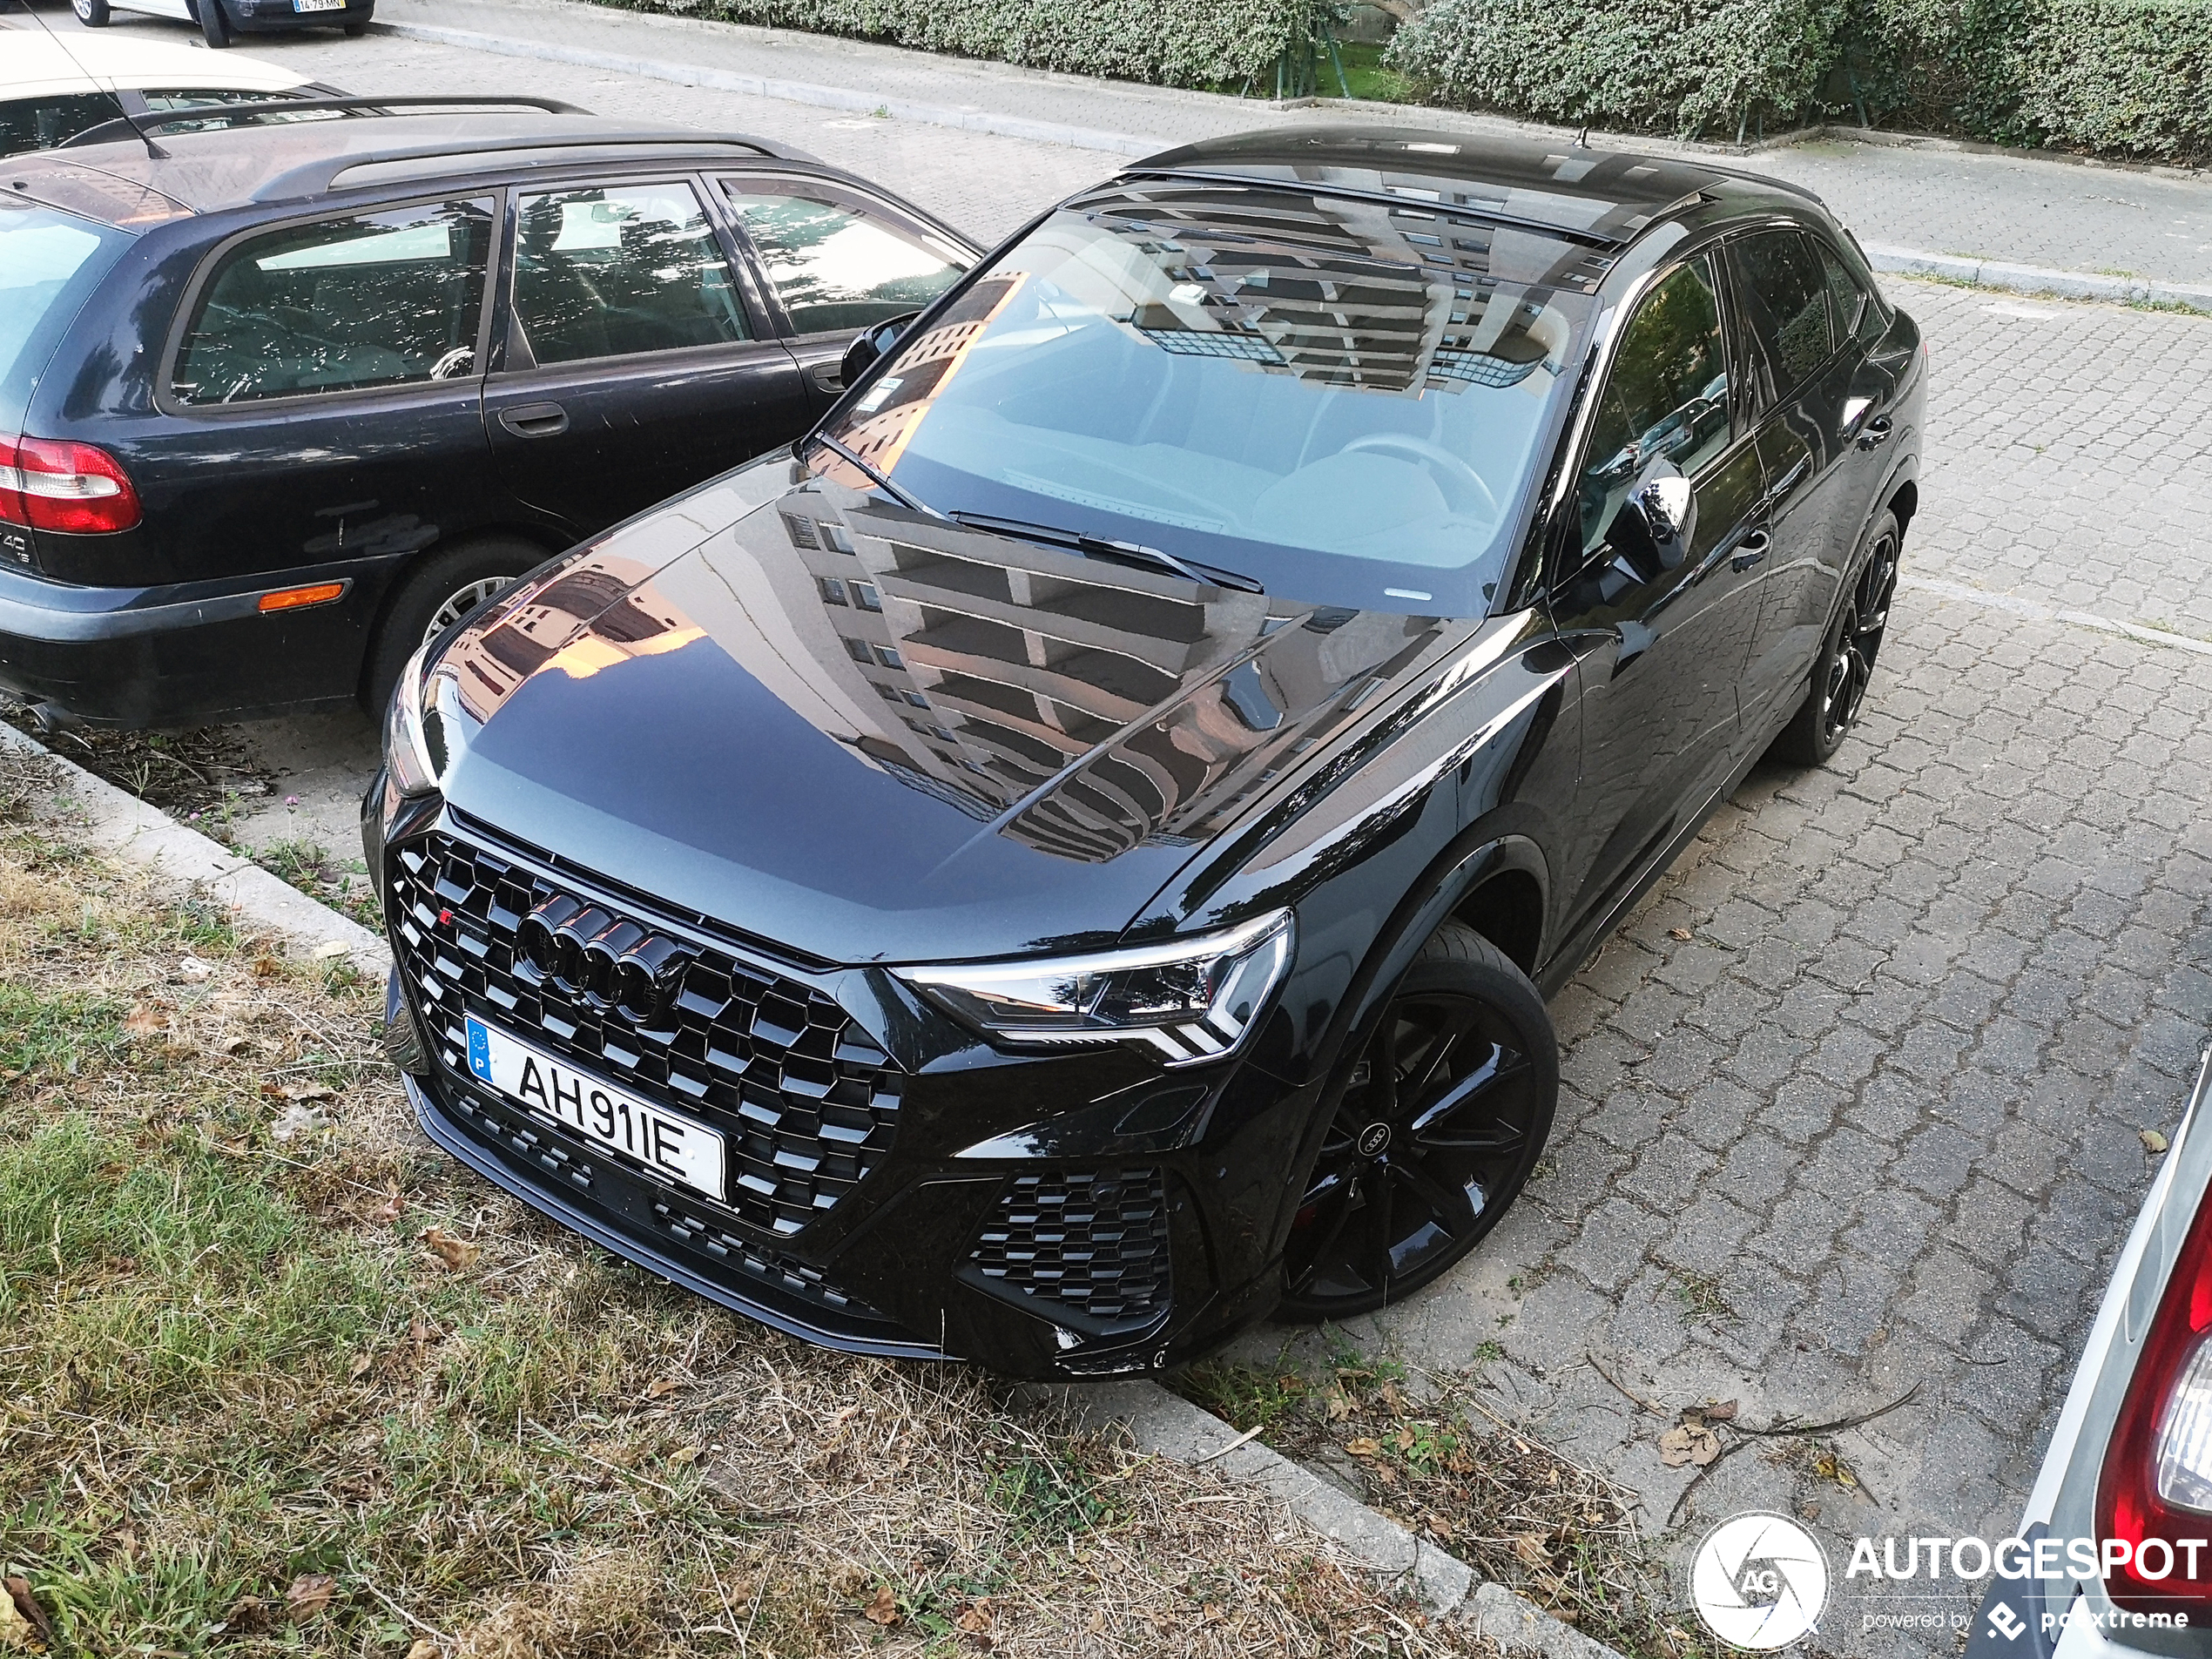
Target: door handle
{"points": [[1751, 550], [1874, 432], [829, 376], [535, 420]]}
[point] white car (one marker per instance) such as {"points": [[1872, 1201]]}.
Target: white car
{"points": [[223, 21], [2121, 1511], [53, 87]]}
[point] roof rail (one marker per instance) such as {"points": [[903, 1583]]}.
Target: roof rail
{"points": [[205, 114], [1583, 235], [314, 177]]}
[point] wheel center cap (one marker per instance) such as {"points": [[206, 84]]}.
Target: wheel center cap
{"points": [[1373, 1140]]}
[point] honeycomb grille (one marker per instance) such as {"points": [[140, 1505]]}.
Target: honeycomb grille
{"points": [[1096, 1241], [806, 1103]]}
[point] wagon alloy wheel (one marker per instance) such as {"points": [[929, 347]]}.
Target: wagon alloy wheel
{"points": [[462, 601], [1442, 1117], [1859, 641]]}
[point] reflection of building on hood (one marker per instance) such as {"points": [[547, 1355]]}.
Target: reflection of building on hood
{"points": [[980, 668], [547, 628]]}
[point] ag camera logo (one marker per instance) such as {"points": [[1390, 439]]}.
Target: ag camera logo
{"points": [[1759, 1582]]}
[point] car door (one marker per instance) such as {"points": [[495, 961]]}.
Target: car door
{"points": [[635, 362], [837, 261], [1661, 632], [1801, 376]]}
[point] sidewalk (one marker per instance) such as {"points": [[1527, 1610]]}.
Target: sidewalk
{"points": [[1907, 200]]}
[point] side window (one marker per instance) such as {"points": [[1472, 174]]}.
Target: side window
{"points": [[379, 299], [1785, 294], [617, 270], [835, 267], [1665, 398], [42, 122], [1854, 314]]}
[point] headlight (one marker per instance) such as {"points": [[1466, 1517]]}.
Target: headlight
{"points": [[1189, 999], [415, 766]]}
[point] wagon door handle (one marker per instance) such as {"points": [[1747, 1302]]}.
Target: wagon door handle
{"points": [[535, 420], [829, 376]]}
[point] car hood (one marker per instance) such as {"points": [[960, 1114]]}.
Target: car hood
{"points": [[862, 734]]}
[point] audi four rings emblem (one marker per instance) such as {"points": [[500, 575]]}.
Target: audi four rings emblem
{"points": [[606, 960]]}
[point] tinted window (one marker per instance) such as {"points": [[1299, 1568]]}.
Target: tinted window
{"points": [[382, 299], [836, 268], [617, 271], [193, 96], [1665, 398], [1849, 306], [48, 262], [1785, 294], [42, 122]]}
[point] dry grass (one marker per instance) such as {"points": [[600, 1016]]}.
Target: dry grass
{"points": [[1427, 1450], [196, 773], [245, 1406]]}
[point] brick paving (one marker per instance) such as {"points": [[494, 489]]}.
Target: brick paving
{"points": [[1875, 1123]]}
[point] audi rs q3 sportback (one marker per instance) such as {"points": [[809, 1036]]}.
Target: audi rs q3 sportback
{"points": [[1070, 858]]}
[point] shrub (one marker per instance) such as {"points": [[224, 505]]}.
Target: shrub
{"points": [[1192, 43]]}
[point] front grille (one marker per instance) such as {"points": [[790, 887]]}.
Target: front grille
{"points": [[806, 1101], [1094, 1241]]}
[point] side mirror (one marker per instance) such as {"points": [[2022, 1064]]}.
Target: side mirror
{"points": [[870, 344], [1665, 510]]}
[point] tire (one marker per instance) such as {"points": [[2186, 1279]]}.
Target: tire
{"points": [[445, 587], [214, 25], [93, 14], [1836, 688], [1408, 1181]]}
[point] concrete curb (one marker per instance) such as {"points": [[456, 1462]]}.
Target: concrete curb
{"points": [[2038, 279], [119, 823], [1172, 1426], [1899, 261]]}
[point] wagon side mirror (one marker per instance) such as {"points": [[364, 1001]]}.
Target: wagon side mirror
{"points": [[870, 344]]}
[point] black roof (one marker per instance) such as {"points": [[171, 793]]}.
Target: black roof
{"points": [[208, 171], [1598, 196]]}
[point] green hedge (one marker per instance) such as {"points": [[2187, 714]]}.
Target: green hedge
{"points": [[1169, 43], [2122, 78]]}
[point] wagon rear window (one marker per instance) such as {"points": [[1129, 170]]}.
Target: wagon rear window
{"points": [[381, 299], [48, 262]]}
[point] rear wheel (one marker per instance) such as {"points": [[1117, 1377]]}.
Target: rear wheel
{"points": [[1437, 1128], [1846, 662], [93, 14], [445, 588], [214, 25]]}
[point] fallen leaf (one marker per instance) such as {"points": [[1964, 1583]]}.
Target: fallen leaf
{"points": [[248, 1616], [17, 1633], [387, 1210], [144, 1021], [1810, 1512], [1404, 1440], [1686, 1444], [1723, 1412], [1532, 1549], [975, 1617], [266, 967], [23, 1623], [1364, 1448], [1338, 1404], [683, 1454], [1393, 1400], [299, 1092], [662, 1387], [884, 1609], [359, 1369], [2154, 1142], [1679, 932], [456, 1253], [424, 1648], [309, 1594]]}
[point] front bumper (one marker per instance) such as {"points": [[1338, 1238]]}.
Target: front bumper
{"points": [[277, 17], [896, 1188]]}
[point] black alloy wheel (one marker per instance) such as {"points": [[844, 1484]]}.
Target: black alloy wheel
{"points": [[1846, 664], [1438, 1124]]}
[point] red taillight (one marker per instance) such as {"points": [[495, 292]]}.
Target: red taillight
{"points": [[71, 488], [2156, 1484]]}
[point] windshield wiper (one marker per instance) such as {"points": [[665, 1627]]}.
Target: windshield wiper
{"points": [[905, 498], [1100, 546]]}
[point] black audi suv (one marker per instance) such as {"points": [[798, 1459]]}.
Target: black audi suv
{"points": [[1070, 858]]}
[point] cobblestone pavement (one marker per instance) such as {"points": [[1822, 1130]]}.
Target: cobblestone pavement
{"points": [[1875, 1122]]}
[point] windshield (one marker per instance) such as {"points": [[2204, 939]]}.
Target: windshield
{"points": [[48, 262], [1337, 398]]}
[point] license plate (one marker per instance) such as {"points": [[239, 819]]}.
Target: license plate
{"points": [[318, 5], [674, 1148]]}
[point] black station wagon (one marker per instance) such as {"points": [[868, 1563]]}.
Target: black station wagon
{"points": [[279, 398], [1070, 858]]}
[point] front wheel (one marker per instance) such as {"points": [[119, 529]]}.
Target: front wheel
{"points": [[93, 14], [1435, 1131], [1846, 661], [213, 25]]}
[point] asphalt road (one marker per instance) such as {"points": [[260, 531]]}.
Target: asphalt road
{"points": [[1852, 1104]]}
